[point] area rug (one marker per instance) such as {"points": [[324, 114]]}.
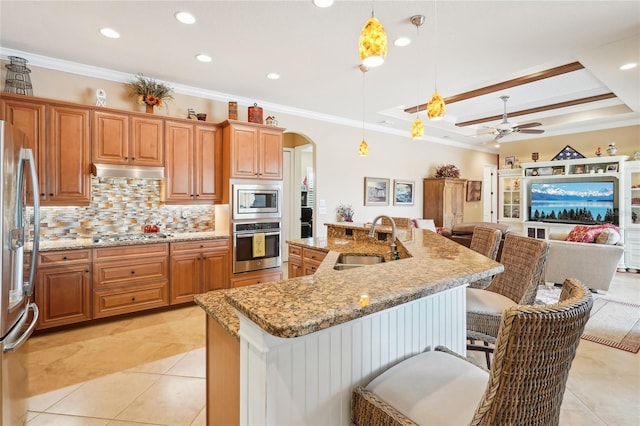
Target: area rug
{"points": [[611, 323]]}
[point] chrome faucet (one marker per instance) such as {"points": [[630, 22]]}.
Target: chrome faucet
{"points": [[394, 250]]}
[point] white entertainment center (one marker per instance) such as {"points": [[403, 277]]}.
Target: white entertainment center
{"points": [[623, 175]]}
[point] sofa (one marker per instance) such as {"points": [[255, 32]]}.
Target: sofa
{"points": [[593, 259], [463, 232]]}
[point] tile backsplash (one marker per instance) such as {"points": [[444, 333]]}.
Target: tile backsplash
{"points": [[123, 205]]}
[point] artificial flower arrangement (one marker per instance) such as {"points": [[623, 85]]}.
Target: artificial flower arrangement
{"points": [[345, 212], [149, 91], [447, 171]]}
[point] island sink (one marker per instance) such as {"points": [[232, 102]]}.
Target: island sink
{"points": [[350, 261]]}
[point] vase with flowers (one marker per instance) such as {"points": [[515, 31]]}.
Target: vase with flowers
{"points": [[149, 92], [345, 212], [447, 171]]}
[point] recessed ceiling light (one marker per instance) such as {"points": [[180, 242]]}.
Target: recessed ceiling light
{"points": [[203, 58], [629, 66], [108, 32], [273, 76], [185, 17], [402, 41], [323, 3]]}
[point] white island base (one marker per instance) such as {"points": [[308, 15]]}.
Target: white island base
{"points": [[308, 380]]}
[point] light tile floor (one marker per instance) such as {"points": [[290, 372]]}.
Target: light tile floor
{"points": [[150, 370]]}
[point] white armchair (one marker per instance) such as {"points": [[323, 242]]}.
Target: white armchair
{"points": [[591, 263]]}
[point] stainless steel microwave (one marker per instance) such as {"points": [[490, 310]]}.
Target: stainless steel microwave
{"points": [[256, 201]]}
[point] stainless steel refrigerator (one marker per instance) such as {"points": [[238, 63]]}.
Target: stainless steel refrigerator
{"points": [[18, 312]]}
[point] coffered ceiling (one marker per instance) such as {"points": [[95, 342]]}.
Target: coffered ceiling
{"points": [[482, 50]]}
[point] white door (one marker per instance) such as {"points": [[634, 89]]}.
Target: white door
{"points": [[490, 194]]}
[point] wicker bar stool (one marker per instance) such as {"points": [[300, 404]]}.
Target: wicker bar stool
{"points": [[524, 260], [534, 351], [485, 241]]}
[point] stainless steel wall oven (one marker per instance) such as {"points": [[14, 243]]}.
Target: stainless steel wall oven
{"points": [[256, 246]]}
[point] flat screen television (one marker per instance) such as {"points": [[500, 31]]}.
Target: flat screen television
{"points": [[590, 201]]}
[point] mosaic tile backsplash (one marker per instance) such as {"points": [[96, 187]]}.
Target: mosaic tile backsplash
{"points": [[123, 205]]}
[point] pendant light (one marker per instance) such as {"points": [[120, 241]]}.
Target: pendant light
{"points": [[417, 128], [363, 149], [373, 43], [436, 107]]}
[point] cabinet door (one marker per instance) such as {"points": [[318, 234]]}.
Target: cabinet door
{"points": [[147, 148], [110, 137], [458, 197], [244, 151], [295, 267], [29, 118], [63, 295], [185, 277], [179, 165], [68, 156], [270, 154], [208, 158], [215, 270]]}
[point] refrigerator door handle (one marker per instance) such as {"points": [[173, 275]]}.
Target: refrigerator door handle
{"points": [[27, 154], [13, 342]]}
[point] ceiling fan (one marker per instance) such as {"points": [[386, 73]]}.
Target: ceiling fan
{"points": [[505, 128]]}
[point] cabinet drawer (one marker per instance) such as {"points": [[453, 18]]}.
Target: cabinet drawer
{"points": [[295, 250], [123, 300], [219, 244], [130, 252], [56, 258], [130, 273], [263, 277], [313, 255]]}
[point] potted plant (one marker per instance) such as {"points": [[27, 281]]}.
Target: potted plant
{"points": [[149, 92], [345, 212]]}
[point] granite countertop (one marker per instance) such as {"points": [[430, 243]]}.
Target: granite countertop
{"points": [[300, 306], [87, 243]]}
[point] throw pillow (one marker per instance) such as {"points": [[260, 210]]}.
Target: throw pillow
{"points": [[578, 234], [608, 236], [592, 234]]}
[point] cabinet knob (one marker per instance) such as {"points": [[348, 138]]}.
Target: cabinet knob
{"points": [[126, 158], [133, 272], [133, 299], [42, 195], [64, 257], [133, 158], [51, 194], [86, 270], [197, 195]]}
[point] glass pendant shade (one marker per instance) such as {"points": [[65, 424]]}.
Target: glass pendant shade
{"points": [[417, 129], [436, 107], [363, 149], [373, 43]]}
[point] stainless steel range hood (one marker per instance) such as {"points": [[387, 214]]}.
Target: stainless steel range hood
{"points": [[121, 170]]}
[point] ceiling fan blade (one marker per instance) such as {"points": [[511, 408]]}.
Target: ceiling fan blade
{"points": [[527, 125], [530, 131]]}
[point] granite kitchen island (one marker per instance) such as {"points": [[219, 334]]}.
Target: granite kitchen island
{"points": [[303, 344]]}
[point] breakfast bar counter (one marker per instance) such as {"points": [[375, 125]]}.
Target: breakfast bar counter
{"points": [[305, 342]]}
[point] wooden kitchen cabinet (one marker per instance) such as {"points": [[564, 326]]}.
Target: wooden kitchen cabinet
{"points": [[304, 261], [253, 151], [121, 138], [30, 118], [443, 201], [198, 267], [257, 277], [63, 287], [67, 157], [130, 278], [193, 164]]}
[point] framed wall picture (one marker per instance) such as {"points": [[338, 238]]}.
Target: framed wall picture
{"points": [[403, 192], [509, 162], [474, 190], [376, 191], [612, 168]]}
